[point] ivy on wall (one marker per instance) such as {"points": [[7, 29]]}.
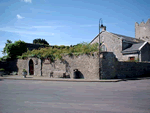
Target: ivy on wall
{"points": [[56, 52]]}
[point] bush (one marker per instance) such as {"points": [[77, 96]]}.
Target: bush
{"points": [[24, 71], [14, 73], [4, 58], [2, 69]]}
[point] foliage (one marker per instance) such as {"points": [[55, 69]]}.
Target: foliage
{"points": [[40, 41], [14, 73], [4, 58], [2, 69], [9, 41], [24, 71], [6, 45], [56, 52], [14, 49]]}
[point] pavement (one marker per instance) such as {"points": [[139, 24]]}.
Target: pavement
{"points": [[26, 96], [41, 78]]}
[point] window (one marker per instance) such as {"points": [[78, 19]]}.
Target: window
{"points": [[131, 58], [104, 48]]}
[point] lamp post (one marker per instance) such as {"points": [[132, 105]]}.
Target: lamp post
{"points": [[100, 26]]}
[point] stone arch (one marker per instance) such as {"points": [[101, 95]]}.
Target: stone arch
{"points": [[77, 74], [31, 67]]}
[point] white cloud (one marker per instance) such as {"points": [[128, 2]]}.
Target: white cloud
{"points": [[30, 1], [19, 17], [47, 26], [27, 32]]}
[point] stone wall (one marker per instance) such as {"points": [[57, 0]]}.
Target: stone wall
{"points": [[132, 69], [109, 65], [87, 66], [57, 67], [24, 64], [9, 66], [112, 68]]}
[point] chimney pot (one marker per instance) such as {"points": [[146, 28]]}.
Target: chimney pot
{"points": [[104, 28]]}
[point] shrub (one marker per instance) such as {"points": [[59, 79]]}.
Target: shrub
{"points": [[4, 58], [24, 71], [2, 69], [14, 73]]}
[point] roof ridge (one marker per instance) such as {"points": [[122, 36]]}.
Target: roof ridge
{"points": [[97, 36], [121, 35]]}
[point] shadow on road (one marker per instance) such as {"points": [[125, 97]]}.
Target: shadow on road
{"points": [[1, 79], [139, 78], [29, 77]]}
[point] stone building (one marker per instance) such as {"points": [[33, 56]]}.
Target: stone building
{"points": [[127, 48]]}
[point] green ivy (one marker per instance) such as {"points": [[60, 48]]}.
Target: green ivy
{"points": [[56, 52]]}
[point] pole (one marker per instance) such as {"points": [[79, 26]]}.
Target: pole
{"points": [[99, 51]]}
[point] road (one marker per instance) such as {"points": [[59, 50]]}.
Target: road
{"points": [[22, 96]]}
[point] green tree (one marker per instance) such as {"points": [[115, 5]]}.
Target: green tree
{"points": [[9, 41], [40, 41], [6, 44], [14, 49]]}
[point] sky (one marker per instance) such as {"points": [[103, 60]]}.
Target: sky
{"points": [[68, 22]]}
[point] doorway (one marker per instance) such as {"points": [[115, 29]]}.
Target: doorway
{"points": [[77, 74], [31, 67]]}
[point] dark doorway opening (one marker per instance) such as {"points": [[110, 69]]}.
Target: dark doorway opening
{"points": [[78, 74], [31, 67]]}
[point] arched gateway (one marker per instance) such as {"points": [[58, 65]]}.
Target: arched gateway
{"points": [[31, 67]]}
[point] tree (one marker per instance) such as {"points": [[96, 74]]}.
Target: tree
{"points": [[6, 44], [14, 49], [40, 41], [9, 41]]}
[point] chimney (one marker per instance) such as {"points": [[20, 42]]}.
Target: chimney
{"points": [[103, 28]]}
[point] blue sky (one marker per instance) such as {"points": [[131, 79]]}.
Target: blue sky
{"points": [[68, 22]]}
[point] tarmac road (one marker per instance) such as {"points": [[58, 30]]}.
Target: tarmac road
{"points": [[22, 96]]}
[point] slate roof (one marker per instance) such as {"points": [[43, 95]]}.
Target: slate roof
{"points": [[126, 38], [129, 39], [133, 49]]}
